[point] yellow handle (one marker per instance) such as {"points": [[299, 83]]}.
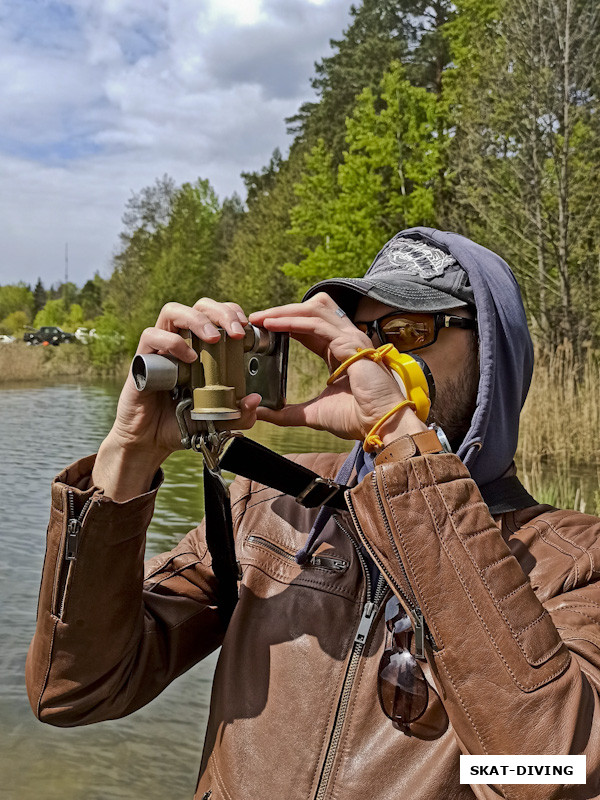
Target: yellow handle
{"points": [[413, 378], [409, 370]]}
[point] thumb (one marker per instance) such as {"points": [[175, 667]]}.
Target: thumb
{"points": [[292, 415]]}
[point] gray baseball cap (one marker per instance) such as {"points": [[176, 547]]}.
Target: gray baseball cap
{"points": [[409, 274]]}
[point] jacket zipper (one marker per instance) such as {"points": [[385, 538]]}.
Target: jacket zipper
{"points": [[369, 613], [74, 524], [324, 562], [410, 601]]}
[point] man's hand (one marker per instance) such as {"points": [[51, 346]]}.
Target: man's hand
{"points": [[145, 430], [356, 401]]}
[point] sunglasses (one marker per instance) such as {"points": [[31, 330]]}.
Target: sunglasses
{"points": [[409, 332], [401, 685]]}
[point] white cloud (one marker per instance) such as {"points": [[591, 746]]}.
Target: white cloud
{"points": [[100, 97]]}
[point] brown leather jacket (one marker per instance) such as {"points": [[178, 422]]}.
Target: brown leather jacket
{"points": [[513, 608]]}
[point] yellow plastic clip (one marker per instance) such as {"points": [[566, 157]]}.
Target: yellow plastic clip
{"points": [[411, 374], [413, 378]]}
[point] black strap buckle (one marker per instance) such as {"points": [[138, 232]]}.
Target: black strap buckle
{"points": [[315, 493]]}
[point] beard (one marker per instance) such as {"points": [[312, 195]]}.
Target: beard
{"points": [[455, 401]]}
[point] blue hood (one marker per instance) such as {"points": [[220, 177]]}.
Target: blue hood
{"points": [[505, 354]]}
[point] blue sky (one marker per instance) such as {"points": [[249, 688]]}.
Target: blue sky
{"points": [[100, 97]]}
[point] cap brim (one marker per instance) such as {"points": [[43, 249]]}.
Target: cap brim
{"points": [[403, 295]]}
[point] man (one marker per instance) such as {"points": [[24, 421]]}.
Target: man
{"points": [[320, 691]]}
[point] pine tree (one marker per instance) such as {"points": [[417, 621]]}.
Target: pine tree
{"points": [[252, 272], [39, 296], [381, 31]]}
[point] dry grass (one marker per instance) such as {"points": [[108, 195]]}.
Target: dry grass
{"points": [[19, 362], [561, 418], [559, 443], [307, 374]]}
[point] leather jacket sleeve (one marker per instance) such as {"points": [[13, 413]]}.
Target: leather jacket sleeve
{"points": [[107, 641], [516, 676]]}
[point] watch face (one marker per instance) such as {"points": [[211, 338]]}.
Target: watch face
{"points": [[442, 437]]}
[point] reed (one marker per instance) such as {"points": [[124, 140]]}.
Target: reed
{"points": [[559, 442], [561, 418], [307, 374], [19, 362]]}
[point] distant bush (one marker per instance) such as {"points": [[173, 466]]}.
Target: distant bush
{"points": [[14, 323], [107, 349]]}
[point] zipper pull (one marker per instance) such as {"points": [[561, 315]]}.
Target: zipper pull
{"points": [[335, 564], [366, 621], [419, 632], [73, 528]]}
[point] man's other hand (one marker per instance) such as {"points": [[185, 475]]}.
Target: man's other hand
{"points": [[358, 399]]}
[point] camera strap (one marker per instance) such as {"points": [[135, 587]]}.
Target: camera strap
{"points": [[220, 541], [254, 461]]}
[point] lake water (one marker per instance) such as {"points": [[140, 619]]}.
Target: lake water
{"points": [[155, 752]]}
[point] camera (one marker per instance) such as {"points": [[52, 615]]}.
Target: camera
{"points": [[224, 373]]}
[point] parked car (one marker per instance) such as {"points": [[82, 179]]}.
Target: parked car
{"points": [[48, 334], [83, 335], [4, 339]]}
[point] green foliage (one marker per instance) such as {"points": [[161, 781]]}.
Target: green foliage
{"points": [[53, 313], [16, 297], [168, 249], [523, 98], [91, 296], [39, 297], [182, 269], [109, 345], [74, 318], [381, 32], [251, 273], [14, 323], [386, 181]]}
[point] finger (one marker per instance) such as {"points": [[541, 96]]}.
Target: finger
{"points": [[288, 416], [320, 303], [158, 340], [248, 406], [226, 315], [239, 311], [343, 343], [176, 316], [309, 310]]}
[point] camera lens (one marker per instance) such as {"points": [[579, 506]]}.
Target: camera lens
{"points": [[253, 365]]}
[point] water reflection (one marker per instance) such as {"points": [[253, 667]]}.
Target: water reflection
{"points": [[154, 753]]}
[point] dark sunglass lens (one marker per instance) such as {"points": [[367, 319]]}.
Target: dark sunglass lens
{"points": [[406, 333], [402, 686], [396, 618], [393, 610]]}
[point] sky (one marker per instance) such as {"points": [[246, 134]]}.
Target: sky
{"points": [[101, 97]]}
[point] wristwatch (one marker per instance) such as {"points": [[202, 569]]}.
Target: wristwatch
{"points": [[433, 440]]}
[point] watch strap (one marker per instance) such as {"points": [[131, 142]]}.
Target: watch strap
{"points": [[415, 444]]}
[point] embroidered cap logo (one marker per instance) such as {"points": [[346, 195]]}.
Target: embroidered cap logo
{"points": [[414, 258]]}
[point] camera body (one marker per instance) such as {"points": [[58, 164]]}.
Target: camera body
{"points": [[224, 373]]}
